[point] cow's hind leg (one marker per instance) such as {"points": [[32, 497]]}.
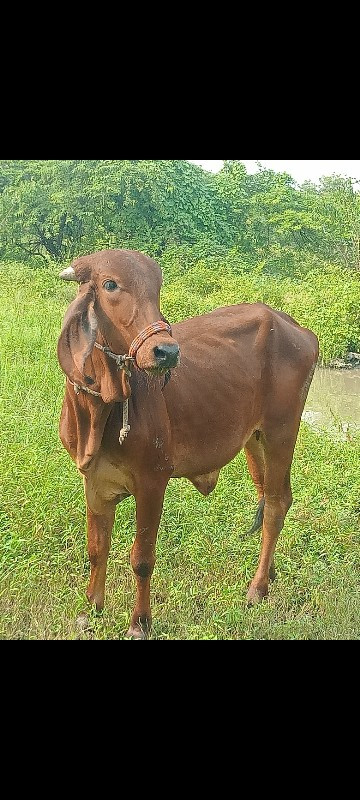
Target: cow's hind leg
{"points": [[254, 452], [278, 453], [149, 502]]}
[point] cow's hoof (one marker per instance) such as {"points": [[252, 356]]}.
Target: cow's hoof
{"points": [[256, 594], [97, 603], [138, 632], [82, 622]]}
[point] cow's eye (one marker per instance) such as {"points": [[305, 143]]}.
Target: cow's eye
{"points": [[110, 286]]}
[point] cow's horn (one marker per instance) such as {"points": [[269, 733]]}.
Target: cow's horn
{"points": [[68, 274]]}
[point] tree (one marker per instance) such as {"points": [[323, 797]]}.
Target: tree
{"points": [[335, 210], [55, 209], [43, 208]]}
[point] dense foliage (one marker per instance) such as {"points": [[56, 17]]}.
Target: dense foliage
{"points": [[232, 235], [55, 209]]}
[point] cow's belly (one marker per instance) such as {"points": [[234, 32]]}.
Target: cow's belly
{"points": [[210, 452]]}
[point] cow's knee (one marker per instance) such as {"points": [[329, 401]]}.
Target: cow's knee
{"points": [[143, 569], [287, 501]]}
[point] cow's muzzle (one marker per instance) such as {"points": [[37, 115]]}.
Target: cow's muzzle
{"points": [[167, 355]]}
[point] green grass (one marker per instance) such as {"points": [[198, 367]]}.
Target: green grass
{"points": [[203, 563]]}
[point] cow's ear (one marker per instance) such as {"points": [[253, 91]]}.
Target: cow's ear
{"points": [[78, 333]]}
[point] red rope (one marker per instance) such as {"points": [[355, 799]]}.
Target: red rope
{"points": [[155, 327]]}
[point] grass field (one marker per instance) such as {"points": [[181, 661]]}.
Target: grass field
{"points": [[203, 563]]}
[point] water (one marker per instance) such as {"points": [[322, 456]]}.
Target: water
{"points": [[334, 401]]}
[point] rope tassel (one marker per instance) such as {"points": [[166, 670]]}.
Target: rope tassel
{"points": [[125, 425]]}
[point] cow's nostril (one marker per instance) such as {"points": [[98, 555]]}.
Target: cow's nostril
{"points": [[167, 354]]}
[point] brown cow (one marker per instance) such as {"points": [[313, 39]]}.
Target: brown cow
{"points": [[242, 382]]}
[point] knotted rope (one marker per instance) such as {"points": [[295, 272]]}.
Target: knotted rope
{"points": [[121, 362], [125, 408]]}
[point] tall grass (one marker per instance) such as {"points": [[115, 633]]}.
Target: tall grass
{"points": [[203, 563]]}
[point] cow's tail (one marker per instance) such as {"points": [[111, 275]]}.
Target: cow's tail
{"points": [[259, 516]]}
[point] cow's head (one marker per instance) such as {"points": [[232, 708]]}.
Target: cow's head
{"points": [[119, 296]]}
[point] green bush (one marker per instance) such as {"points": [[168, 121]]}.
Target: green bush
{"points": [[327, 300]]}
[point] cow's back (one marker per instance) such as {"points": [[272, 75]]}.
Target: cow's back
{"points": [[239, 364]]}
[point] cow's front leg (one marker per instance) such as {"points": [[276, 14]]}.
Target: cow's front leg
{"points": [[99, 527], [149, 502]]}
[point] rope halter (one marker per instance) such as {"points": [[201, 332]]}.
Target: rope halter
{"points": [[155, 327], [122, 363]]}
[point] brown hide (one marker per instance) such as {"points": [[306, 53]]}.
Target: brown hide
{"points": [[242, 382]]}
